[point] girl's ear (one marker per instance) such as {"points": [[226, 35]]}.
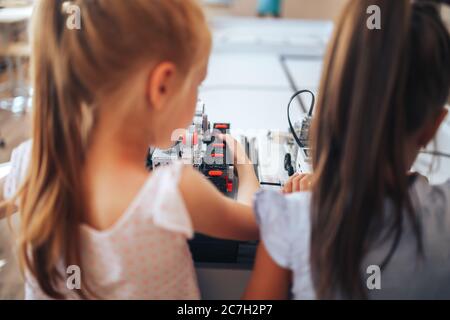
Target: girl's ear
{"points": [[432, 128], [160, 84]]}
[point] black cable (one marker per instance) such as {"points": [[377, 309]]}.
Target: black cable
{"points": [[436, 153], [271, 184], [310, 112]]}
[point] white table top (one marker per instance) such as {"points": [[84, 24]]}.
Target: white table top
{"points": [[271, 35], [248, 109], [306, 72], [246, 83], [245, 70]]}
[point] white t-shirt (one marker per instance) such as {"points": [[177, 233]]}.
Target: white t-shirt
{"points": [[286, 231], [144, 255]]}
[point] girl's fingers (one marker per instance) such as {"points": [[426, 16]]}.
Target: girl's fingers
{"points": [[298, 183], [305, 183], [295, 184], [288, 185]]}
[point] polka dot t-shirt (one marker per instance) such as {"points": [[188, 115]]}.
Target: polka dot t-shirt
{"points": [[144, 255]]}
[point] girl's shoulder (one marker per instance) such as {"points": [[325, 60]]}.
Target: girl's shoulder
{"points": [[285, 224], [274, 205], [161, 201]]}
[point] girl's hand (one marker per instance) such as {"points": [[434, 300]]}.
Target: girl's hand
{"points": [[248, 182], [237, 151], [298, 183], [214, 214]]}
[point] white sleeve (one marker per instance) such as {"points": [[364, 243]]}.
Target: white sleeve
{"points": [[275, 222], [19, 165], [169, 208]]}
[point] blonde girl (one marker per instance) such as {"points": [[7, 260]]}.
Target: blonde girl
{"points": [[126, 80]]}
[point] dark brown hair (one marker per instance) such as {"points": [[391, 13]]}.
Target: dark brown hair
{"points": [[378, 87]]}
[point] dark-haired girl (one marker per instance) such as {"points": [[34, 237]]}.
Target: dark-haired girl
{"points": [[367, 229]]}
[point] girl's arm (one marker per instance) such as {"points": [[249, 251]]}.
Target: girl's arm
{"points": [[268, 281], [215, 215], [212, 213], [248, 182], [299, 182]]}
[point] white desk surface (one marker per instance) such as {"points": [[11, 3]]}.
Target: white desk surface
{"points": [[248, 109], [246, 83], [271, 35], [306, 73], [245, 70]]}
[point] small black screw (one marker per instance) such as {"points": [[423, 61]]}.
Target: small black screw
{"points": [[2, 143]]}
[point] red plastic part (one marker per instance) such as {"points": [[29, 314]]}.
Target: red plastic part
{"points": [[195, 138], [215, 173], [221, 126]]}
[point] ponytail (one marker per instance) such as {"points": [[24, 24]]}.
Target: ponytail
{"points": [[51, 202]]}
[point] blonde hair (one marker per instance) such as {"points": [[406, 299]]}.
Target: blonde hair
{"points": [[72, 70]]}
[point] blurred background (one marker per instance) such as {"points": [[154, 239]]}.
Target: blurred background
{"points": [[252, 18], [264, 51], [251, 25]]}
